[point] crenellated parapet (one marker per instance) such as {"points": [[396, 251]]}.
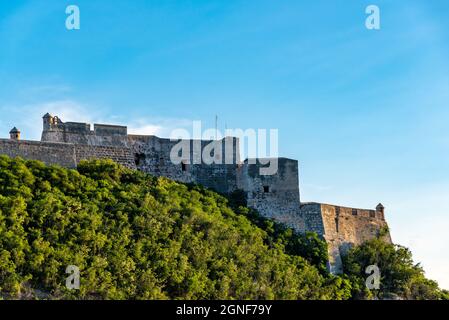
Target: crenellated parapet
{"points": [[54, 130], [343, 227]]}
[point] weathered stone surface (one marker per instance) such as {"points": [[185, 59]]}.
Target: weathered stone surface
{"points": [[51, 153], [274, 196], [342, 227], [64, 154], [120, 155]]}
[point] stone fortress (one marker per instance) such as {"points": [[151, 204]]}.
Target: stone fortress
{"points": [[274, 196]]}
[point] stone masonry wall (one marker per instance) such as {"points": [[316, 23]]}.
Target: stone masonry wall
{"points": [[342, 228], [62, 154], [152, 155], [313, 220], [123, 156], [90, 138], [80, 133], [274, 196]]}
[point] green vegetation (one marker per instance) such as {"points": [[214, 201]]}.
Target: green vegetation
{"points": [[134, 236], [309, 246], [400, 277]]}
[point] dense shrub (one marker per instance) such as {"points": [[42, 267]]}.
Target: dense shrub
{"points": [[400, 277], [134, 236]]}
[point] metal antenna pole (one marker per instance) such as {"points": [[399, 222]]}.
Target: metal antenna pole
{"points": [[216, 127]]}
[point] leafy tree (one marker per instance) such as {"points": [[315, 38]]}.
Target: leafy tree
{"points": [[400, 277]]}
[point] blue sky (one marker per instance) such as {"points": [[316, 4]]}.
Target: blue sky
{"points": [[364, 111]]}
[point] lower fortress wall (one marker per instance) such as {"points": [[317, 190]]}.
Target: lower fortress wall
{"points": [[64, 154], [124, 156], [343, 228]]}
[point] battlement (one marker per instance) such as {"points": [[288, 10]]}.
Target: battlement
{"points": [[107, 129], [343, 227], [54, 130], [348, 211], [73, 127]]}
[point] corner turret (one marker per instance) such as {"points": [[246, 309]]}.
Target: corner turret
{"points": [[380, 211]]}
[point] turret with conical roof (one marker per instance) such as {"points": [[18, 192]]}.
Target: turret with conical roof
{"points": [[14, 134]]}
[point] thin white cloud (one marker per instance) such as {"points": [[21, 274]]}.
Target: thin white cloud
{"points": [[145, 130], [28, 118], [160, 127]]}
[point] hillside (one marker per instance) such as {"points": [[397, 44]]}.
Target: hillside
{"points": [[134, 236]]}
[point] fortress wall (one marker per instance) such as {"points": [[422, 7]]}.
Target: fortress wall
{"points": [[343, 228], [80, 133], [69, 132], [110, 130], [75, 127], [84, 138], [221, 176], [109, 135], [107, 140], [274, 196], [350, 225], [64, 154], [153, 156], [63, 136], [53, 136], [50, 153], [123, 156], [313, 220]]}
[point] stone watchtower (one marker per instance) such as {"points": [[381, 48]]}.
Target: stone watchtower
{"points": [[49, 121], [52, 128], [14, 134]]}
